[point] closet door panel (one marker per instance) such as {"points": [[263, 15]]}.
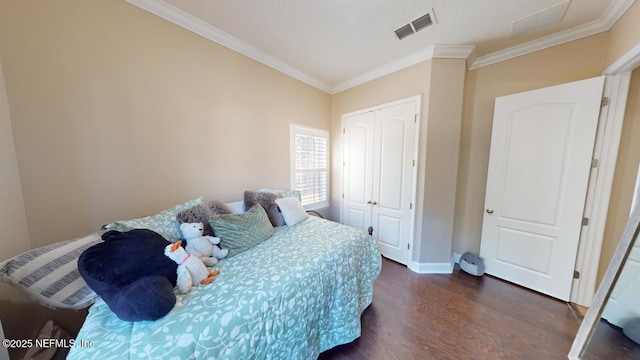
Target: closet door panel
{"points": [[388, 175], [392, 179], [358, 167]]}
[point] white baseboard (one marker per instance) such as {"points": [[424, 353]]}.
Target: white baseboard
{"points": [[435, 268], [431, 268]]}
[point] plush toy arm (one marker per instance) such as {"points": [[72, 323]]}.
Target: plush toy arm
{"points": [[220, 253], [213, 240]]}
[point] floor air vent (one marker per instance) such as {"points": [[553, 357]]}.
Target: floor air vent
{"points": [[416, 25]]}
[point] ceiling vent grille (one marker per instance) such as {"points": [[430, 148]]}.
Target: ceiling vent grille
{"points": [[404, 31], [416, 25], [422, 22]]}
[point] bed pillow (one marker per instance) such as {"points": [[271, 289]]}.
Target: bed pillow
{"points": [[284, 193], [164, 223], [239, 232], [49, 274], [237, 207], [202, 213], [292, 210], [268, 202]]}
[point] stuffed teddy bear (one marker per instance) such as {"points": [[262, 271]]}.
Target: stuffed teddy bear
{"points": [[204, 247], [131, 274], [191, 271]]}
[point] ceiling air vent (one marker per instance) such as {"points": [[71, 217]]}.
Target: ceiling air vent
{"points": [[422, 22], [404, 31], [416, 25]]}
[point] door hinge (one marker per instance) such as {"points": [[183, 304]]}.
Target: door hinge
{"points": [[410, 206], [595, 163], [343, 195], [604, 102], [344, 131], [415, 118], [413, 163], [344, 163], [576, 274], [585, 221], [407, 246]]}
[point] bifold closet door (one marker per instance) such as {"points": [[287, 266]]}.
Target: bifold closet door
{"points": [[378, 149]]}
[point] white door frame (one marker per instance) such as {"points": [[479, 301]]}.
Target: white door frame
{"points": [[607, 145], [418, 101]]}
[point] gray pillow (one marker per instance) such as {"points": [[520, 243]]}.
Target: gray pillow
{"points": [[268, 202], [202, 213]]}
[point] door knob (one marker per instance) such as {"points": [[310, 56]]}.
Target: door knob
{"points": [[374, 203], [489, 211], [369, 202]]}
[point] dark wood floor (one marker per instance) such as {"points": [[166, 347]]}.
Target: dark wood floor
{"points": [[459, 316]]}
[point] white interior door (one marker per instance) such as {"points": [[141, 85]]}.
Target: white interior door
{"points": [[541, 149], [392, 180], [358, 141]]}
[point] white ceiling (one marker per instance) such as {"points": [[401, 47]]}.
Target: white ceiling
{"points": [[336, 44]]}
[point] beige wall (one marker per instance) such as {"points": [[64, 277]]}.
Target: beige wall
{"points": [[118, 113], [625, 175], [568, 62], [625, 34], [13, 220], [444, 123]]}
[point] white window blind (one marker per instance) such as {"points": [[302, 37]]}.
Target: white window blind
{"points": [[310, 165]]}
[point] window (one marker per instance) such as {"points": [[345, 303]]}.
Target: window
{"points": [[310, 165]]}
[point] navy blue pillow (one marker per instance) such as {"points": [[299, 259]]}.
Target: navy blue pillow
{"points": [[130, 272]]}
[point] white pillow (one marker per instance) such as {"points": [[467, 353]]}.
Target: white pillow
{"points": [[292, 210], [237, 207]]}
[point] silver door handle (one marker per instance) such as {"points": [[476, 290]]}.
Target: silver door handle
{"points": [[374, 203], [489, 211], [369, 202]]}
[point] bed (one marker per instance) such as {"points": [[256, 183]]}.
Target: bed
{"points": [[293, 296]]}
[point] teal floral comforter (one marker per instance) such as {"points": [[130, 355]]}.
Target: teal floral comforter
{"points": [[291, 297]]}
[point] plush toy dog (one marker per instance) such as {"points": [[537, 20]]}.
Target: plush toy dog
{"points": [[191, 271], [204, 247]]}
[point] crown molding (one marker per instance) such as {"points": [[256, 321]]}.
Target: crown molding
{"points": [[208, 31], [412, 59], [170, 13], [452, 51], [431, 52], [611, 15], [626, 62]]}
